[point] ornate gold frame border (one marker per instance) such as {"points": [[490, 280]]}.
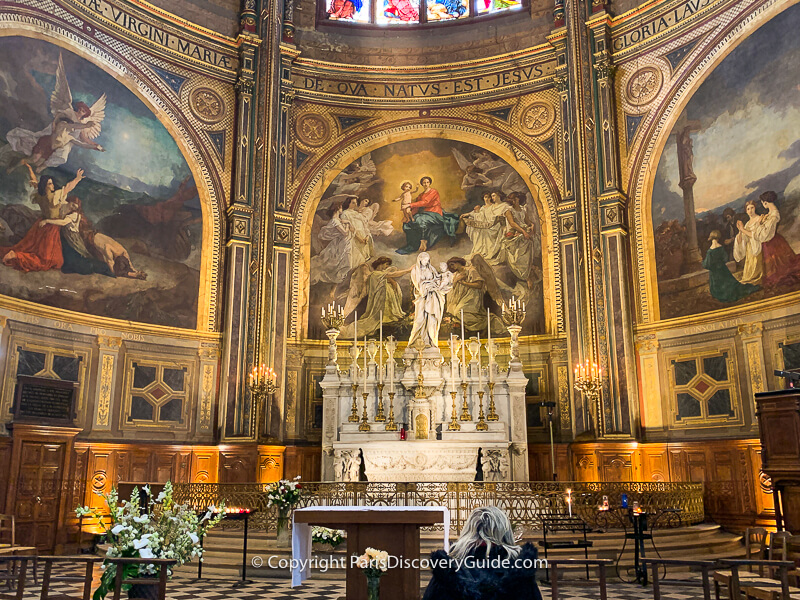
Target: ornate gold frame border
{"points": [[32, 26], [735, 24], [325, 172]]}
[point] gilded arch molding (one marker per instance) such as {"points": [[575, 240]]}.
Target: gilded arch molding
{"points": [[541, 184]]}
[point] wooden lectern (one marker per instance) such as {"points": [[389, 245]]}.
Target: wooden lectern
{"points": [[396, 531], [779, 423]]}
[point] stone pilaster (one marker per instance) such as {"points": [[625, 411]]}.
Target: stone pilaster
{"points": [[236, 414], [620, 405], [107, 368], [751, 335], [207, 388], [649, 375]]}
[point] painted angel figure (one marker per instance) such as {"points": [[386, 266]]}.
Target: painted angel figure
{"points": [[74, 124]]}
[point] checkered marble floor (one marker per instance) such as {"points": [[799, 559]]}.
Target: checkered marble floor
{"points": [[184, 588]]}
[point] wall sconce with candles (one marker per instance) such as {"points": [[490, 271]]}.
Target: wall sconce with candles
{"points": [[262, 382], [589, 382]]}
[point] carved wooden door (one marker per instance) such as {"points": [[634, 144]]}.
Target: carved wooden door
{"points": [[39, 494]]}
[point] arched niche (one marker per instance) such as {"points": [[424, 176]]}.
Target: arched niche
{"points": [[538, 181]]}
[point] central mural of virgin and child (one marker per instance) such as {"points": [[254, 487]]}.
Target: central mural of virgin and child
{"points": [[462, 211]]}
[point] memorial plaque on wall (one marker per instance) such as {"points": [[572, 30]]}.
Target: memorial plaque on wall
{"points": [[47, 401]]}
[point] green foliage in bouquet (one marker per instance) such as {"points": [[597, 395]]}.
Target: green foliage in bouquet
{"points": [[163, 530], [323, 535]]}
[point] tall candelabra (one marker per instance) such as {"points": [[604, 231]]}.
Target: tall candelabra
{"points": [[513, 316], [589, 382], [262, 383], [332, 319]]}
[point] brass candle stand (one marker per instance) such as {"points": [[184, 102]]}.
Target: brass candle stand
{"points": [[364, 419], [465, 414], [454, 424], [513, 316], [353, 418], [481, 425], [492, 416], [379, 416], [390, 424], [332, 319]]}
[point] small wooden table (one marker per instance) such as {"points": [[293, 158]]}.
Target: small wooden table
{"points": [[394, 529]]}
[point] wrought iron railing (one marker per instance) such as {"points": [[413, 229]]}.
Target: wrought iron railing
{"points": [[525, 503]]}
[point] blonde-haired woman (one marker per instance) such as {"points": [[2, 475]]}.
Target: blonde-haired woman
{"points": [[485, 563]]}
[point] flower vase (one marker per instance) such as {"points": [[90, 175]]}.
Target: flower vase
{"points": [[284, 539], [373, 587]]}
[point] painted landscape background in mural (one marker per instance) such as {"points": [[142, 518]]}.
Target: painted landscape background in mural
{"points": [[467, 208], [734, 154], [99, 212]]}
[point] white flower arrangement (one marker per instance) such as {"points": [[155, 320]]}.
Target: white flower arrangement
{"points": [[284, 494], [323, 535], [162, 530], [373, 562]]}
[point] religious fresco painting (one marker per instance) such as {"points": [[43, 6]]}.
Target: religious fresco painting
{"points": [[459, 209], [726, 196], [99, 211]]}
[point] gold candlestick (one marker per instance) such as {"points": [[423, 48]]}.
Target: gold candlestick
{"points": [[492, 416], [364, 420], [454, 424], [481, 425], [390, 424], [465, 414], [353, 418], [379, 416]]}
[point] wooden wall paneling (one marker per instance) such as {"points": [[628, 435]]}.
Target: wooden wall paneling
{"points": [[205, 466], [617, 463], [584, 465], [122, 466], [141, 465], [5, 459], [101, 475], [655, 463], [539, 463], [183, 472], [271, 464], [765, 500], [165, 466], [238, 464], [305, 461]]}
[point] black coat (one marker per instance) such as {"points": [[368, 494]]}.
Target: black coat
{"points": [[483, 582]]}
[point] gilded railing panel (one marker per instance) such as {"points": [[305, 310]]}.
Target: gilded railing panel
{"points": [[525, 502]]}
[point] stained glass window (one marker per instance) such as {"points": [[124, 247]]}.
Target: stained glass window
{"points": [[411, 12], [493, 6], [355, 11], [399, 11], [444, 10]]}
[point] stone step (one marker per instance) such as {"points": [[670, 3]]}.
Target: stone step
{"points": [[223, 556]]}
